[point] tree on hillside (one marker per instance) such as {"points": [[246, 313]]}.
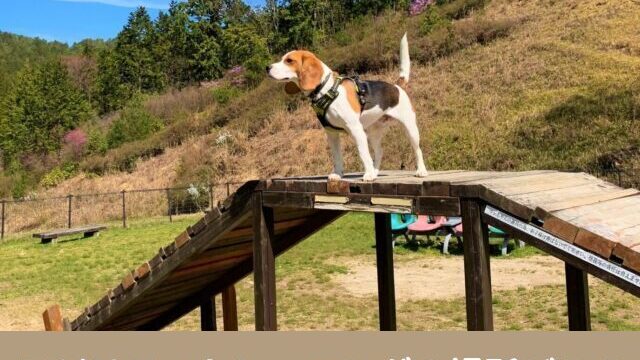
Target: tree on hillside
{"points": [[82, 71], [135, 54], [111, 93], [173, 38], [205, 33], [17, 50], [41, 107]]}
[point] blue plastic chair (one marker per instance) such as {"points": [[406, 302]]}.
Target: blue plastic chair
{"points": [[399, 225]]}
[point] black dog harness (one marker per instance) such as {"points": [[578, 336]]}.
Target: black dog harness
{"points": [[321, 104]]}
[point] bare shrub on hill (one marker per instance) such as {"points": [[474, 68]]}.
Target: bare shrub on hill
{"points": [[178, 103]]}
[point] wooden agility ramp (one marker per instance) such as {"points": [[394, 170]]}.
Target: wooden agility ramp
{"points": [[591, 225]]}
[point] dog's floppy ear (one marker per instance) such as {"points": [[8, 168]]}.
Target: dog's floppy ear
{"points": [[311, 73], [291, 88]]}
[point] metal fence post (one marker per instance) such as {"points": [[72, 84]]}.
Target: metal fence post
{"points": [[169, 205], [69, 197], [4, 202], [124, 209]]}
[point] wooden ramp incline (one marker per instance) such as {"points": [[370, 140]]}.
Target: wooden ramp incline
{"points": [[217, 251]]}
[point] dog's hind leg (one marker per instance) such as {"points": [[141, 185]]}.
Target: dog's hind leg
{"points": [[375, 135], [403, 112]]}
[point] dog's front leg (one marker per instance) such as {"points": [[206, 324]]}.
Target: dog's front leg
{"points": [[360, 136], [334, 144]]}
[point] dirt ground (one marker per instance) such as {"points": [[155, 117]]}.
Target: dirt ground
{"points": [[443, 278], [416, 279]]}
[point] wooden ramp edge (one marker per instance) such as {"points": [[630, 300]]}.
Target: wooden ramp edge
{"points": [[201, 262], [580, 210]]}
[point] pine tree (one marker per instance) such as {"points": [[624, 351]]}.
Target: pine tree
{"points": [[135, 55], [40, 108], [205, 34], [173, 35]]}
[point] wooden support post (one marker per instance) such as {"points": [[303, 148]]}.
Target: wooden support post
{"points": [[53, 319], [230, 309], [577, 299], [69, 198], [124, 209], [66, 324], [264, 265], [169, 205], [208, 315], [384, 262], [476, 267], [3, 214]]}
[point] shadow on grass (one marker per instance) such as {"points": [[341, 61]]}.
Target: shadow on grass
{"points": [[591, 122]]}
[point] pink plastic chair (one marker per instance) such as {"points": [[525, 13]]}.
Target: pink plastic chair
{"points": [[423, 227]]}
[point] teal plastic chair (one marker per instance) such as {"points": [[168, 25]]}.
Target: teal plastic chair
{"points": [[494, 231], [399, 225]]}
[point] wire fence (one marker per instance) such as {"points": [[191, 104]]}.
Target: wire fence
{"points": [[40, 214]]}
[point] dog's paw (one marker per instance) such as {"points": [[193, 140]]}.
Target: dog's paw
{"points": [[334, 177], [369, 177], [422, 173]]}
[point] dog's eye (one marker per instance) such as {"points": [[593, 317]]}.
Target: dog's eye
{"points": [[289, 61]]}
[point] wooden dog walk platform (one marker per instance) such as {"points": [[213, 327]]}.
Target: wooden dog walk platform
{"points": [[591, 225]]}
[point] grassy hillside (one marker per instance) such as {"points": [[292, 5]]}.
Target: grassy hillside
{"points": [[514, 85]]}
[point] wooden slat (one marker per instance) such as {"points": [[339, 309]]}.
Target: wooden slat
{"points": [[588, 200], [548, 198], [628, 249]]}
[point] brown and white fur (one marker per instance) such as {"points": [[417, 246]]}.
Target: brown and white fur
{"points": [[303, 71]]}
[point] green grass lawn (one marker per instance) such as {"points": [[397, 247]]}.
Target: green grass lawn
{"points": [[76, 272]]}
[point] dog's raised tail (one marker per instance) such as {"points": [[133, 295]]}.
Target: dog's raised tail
{"points": [[405, 62]]}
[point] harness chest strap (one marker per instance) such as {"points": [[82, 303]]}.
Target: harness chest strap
{"points": [[321, 104]]}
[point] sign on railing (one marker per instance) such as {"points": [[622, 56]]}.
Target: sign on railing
{"points": [[564, 246]]}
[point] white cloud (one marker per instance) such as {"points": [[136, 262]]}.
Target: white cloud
{"points": [[152, 4]]}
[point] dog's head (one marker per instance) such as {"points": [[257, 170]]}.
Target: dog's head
{"points": [[300, 69]]}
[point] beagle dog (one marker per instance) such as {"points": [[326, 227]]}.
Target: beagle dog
{"points": [[364, 109]]}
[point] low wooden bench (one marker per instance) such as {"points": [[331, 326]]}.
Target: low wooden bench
{"points": [[88, 231]]}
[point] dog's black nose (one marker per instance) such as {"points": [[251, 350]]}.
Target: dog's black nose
{"points": [[268, 68]]}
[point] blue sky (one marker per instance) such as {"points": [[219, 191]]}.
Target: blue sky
{"points": [[73, 20]]}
